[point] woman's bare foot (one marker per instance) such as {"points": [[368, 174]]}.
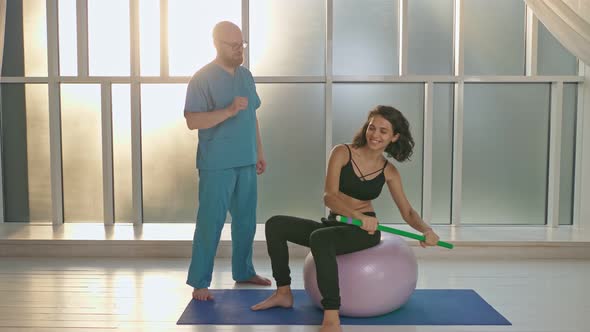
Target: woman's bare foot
{"points": [[257, 280], [202, 294], [282, 297], [331, 321]]}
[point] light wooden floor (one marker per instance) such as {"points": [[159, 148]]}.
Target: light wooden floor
{"points": [[135, 294]]}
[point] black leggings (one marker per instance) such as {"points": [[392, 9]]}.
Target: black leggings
{"points": [[326, 240]]}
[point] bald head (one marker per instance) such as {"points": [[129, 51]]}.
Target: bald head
{"points": [[229, 42], [226, 30]]}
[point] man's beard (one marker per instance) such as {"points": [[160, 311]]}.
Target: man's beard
{"points": [[233, 61]]}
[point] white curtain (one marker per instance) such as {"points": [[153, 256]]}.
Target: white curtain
{"points": [[568, 21]]}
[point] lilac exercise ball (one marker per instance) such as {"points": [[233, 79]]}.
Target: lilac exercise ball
{"points": [[373, 281]]}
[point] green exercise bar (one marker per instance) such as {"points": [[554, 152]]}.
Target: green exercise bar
{"points": [[357, 222]]}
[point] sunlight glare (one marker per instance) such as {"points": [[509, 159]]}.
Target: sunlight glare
{"points": [[108, 38], [82, 152], [149, 37], [191, 24], [35, 37], [68, 42]]}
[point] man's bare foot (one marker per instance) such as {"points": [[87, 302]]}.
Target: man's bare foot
{"points": [[331, 321], [257, 280], [202, 294], [282, 297]]}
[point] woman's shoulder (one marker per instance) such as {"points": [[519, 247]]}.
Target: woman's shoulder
{"points": [[390, 170], [341, 152], [341, 148]]}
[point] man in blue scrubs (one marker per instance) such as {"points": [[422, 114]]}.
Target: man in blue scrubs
{"points": [[221, 103]]}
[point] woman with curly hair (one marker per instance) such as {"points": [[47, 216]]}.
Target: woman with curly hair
{"points": [[355, 176]]}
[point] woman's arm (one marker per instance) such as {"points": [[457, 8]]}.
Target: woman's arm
{"points": [[409, 215]]}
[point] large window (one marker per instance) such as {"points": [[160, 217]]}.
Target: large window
{"points": [[505, 153], [93, 94], [82, 152]]}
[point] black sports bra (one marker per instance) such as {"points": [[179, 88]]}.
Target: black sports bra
{"points": [[357, 187]]}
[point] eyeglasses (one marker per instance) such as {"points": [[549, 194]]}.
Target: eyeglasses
{"points": [[235, 46]]}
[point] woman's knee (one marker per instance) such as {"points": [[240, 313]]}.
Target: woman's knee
{"points": [[320, 239], [274, 224]]}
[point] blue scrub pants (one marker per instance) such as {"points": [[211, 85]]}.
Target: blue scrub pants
{"points": [[220, 191]]}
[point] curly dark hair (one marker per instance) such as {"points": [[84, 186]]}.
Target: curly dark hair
{"points": [[402, 149]]}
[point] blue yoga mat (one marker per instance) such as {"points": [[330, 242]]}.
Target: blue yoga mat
{"points": [[425, 307]]}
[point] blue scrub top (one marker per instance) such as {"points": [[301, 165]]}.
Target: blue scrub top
{"points": [[231, 143]]}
